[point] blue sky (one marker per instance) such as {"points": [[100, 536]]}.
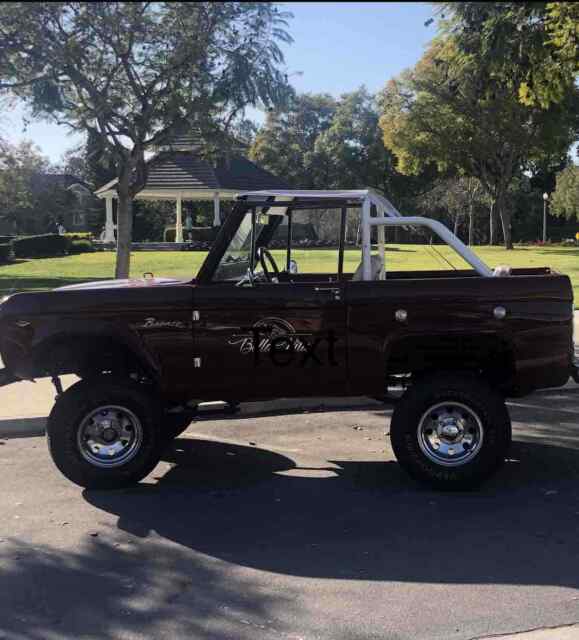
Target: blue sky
{"points": [[337, 47]]}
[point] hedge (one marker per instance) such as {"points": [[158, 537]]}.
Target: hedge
{"points": [[81, 246], [6, 252], [43, 246], [196, 234], [79, 236]]}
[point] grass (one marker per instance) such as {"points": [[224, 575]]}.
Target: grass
{"points": [[47, 273]]}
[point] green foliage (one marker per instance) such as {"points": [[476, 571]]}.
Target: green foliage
{"points": [[285, 144], [196, 234], [349, 152], [19, 165], [31, 197], [79, 236], [150, 218], [459, 112], [565, 200], [533, 46], [41, 246]]}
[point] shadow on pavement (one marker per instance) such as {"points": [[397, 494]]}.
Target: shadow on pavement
{"points": [[362, 520], [116, 590]]}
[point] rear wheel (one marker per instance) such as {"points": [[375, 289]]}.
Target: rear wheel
{"points": [[103, 433], [451, 431]]}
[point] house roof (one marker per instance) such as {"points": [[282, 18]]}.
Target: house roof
{"points": [[173, 172]]}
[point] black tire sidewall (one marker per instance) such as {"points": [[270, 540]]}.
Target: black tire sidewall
{"points": [[67, 415], [475, 394]]}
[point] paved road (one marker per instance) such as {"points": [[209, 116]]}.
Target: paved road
{"points": [[293, 526]]}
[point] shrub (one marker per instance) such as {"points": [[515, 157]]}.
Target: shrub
{"points": [[81, 246], [79, 236], [196, 234], [44, 246], [6, 252]]}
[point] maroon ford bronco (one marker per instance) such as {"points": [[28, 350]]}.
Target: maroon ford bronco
{"points": [[257, 326]]}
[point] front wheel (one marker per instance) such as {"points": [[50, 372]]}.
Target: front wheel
{"points": [[451, 431], [103, 433]]}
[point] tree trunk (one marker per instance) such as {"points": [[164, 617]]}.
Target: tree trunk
{"points": [[456, 222], [124, 227], [471, 225], [492, 223], [505, 216]]}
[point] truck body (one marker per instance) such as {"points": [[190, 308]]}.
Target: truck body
{"points": [[245, 329]]}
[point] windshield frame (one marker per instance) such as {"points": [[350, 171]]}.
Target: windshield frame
{"points": [[228, 232]]}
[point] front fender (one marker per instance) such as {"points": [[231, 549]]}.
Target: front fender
{"points": [[38, 348]]}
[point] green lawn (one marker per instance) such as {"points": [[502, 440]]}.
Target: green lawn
{"points": [[44, 273]]}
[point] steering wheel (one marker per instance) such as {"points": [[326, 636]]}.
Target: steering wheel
{"points": [[262, 254]]}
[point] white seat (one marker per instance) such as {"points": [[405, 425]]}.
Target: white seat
{"points": [[376, 265]]}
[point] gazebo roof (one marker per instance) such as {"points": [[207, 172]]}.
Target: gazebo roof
{"points": [[186, 173]]}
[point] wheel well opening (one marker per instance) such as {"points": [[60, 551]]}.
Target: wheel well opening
{"points": [[488, 355], [86, 357]]}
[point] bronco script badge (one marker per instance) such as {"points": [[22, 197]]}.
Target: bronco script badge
{"points": [[153, 323], [282, 343]]}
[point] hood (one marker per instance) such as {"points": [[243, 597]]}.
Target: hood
{"points": [[121, 284]]}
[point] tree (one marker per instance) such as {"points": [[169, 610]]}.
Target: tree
{"points": [[18, 166], [565, 200], [32, 194], [538, 42], [131, 74], [322, 142], [285, 143], [454, 113]]}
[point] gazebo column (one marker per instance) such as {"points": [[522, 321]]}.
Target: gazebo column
{"points": [[109, 222], [216, 205], [179, 220]]}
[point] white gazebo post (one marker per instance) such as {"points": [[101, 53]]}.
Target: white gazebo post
{"points": [[179, 220], [109, 223], [216, 202]]}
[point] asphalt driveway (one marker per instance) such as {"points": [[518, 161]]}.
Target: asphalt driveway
{"points": [[290, 523]]}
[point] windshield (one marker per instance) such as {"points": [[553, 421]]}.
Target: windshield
{"points": [[236, 259]]}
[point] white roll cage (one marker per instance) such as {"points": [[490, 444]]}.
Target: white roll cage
{"points": [[386, 216]]}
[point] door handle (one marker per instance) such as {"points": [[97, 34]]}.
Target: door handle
{"points": [[336, 292]]}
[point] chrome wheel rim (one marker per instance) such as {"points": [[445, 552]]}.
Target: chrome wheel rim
{"points": [[450, 434], [110, 436]]}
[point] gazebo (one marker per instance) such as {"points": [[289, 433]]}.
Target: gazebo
{"points": [[178, 172]]}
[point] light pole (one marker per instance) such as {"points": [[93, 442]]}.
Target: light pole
{"points": [[545, 200]]}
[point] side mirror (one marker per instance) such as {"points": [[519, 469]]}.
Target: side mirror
{"points": [[293, 266]]}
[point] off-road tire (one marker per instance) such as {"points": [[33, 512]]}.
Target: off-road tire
{"points": [[75, 404], [479, 397]]}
